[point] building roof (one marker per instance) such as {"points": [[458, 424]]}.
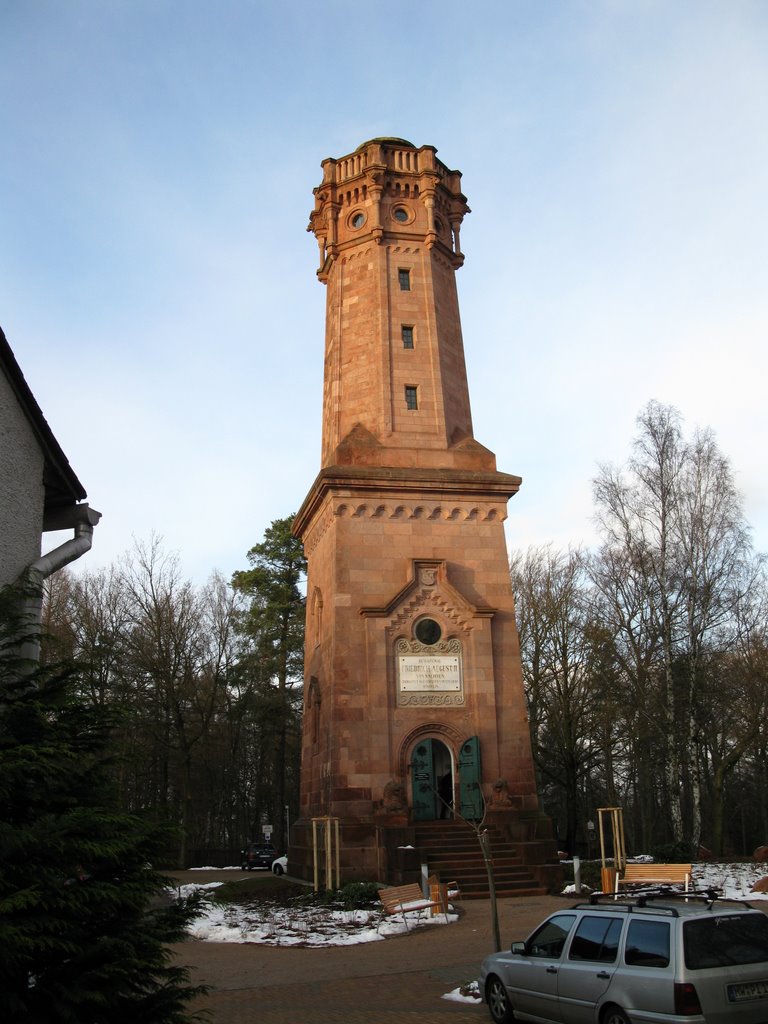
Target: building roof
{"points": [[387, 140], [61, 484]]}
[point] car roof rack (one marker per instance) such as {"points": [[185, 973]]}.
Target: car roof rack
{"points": [[640, 899], [625, 905]]}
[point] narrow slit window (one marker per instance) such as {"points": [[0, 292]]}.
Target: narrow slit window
{"points": [[411, 396], [404, 277], [407, 332]]}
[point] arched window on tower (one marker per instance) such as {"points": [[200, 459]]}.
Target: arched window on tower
{"points": [[312, 709], [316, 614]]}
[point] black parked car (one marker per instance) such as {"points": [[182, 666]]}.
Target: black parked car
{"points": [[258, 855]]}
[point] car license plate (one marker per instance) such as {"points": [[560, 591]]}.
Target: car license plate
{"points": [[748, 990]]}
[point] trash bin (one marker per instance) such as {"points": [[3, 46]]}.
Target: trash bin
{"points": [[438, 893], [608, 879]]}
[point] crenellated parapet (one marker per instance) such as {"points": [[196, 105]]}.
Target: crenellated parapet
{"points": [[387, 190]]}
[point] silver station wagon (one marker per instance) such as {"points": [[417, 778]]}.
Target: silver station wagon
{"points": [[654, 959]]}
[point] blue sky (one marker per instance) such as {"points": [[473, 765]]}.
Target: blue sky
{"points": [[157, 160]]}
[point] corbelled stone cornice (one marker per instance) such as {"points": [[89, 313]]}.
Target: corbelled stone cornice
{"points": [[409, 485]]}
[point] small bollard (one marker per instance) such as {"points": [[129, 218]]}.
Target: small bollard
{"points": [[577, 875]]}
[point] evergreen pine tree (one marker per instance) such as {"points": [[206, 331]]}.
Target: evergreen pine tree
{"points": [[274, 626], [82, 925]]}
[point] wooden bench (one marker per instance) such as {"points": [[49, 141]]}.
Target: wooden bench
{"points": [[655, 874], [406, 899]]}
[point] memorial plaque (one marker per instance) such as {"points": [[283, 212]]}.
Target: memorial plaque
{"points": [[429, 673]]}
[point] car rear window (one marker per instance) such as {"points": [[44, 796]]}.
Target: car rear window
{"points": [[647, 944], [719, 941]]}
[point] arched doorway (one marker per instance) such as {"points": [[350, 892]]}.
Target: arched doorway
{"points": [[432, 777]]}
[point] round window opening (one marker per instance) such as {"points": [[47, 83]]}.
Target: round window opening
{"points": [[401, 214], [427, 631], [358, 219]]}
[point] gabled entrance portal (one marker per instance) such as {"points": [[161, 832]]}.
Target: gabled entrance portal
{"points": [[432, 780]]}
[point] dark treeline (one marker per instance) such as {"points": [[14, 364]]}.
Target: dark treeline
{"points": [[646, 661], [206, 680]]}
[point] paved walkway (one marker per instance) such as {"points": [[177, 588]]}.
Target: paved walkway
{"points": [[399, 979]]}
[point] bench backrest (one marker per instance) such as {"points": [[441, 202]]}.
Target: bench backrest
{"points": [[395, 895], [656, 872]]}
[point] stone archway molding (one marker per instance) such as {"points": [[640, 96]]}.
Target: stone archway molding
{"points": [[436, 730]]}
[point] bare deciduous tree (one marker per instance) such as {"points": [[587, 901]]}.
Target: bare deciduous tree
{"points": [[644, 661], [559, 664], [674, 519]]}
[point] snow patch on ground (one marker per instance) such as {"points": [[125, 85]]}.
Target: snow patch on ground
{"points": [[734, 881], [273, 925], [192, 888], [231, 867], [270, 925], [469, 993], [731, 881], [570, 890]]}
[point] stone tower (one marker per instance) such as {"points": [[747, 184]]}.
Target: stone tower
{"points": [[413, 702]]}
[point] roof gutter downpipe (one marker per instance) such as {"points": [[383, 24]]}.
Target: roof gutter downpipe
{"points": [[81, 518]]}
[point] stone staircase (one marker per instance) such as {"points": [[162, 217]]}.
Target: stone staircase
{"points": [[452, 850]]}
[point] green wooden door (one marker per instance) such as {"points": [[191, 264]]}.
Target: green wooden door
{"points": [[470, 793], [423, 782]]}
